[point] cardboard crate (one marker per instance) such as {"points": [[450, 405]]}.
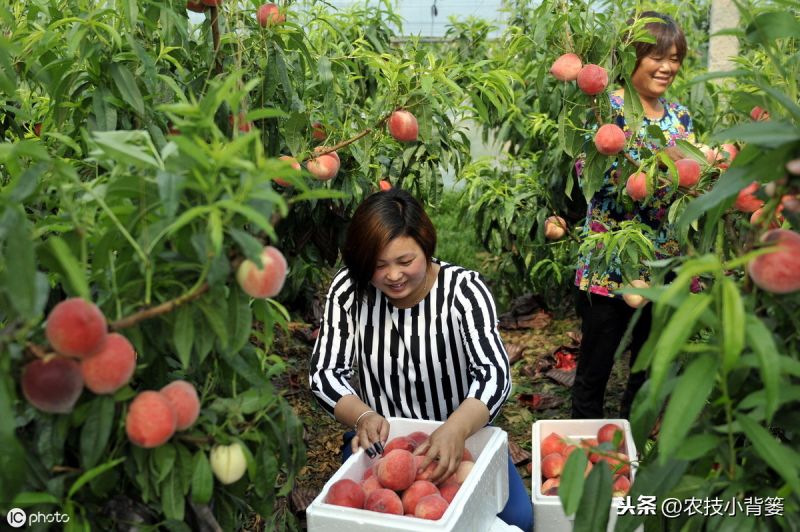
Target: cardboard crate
{"points": [[475, 506], [547, 511]]}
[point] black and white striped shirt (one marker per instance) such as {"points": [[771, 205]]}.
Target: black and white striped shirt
{"points": [[420, 362]]}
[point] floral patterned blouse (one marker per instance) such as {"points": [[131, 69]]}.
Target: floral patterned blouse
{"points": [[604, 212]]}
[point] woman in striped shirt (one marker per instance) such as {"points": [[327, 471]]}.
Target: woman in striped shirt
{"points": [[422, 335]]}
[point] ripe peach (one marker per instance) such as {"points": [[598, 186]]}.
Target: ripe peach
{"points": [[688, 172], [396, 470], [448, 490], [370, 484], [324, 167], [417, 490], [609, 139], [552, 465], [746, 201], [182, 396], [295, 166], [466, 456], [385, 185], [729, 151], [431, 507], [244, 125], [759, 114], [636, 186], [403, 126], [463, 471], [346, 492], [151, 420], [611, 432], [566, 67], [617, 462], [76, 328], [635, 300], [774, 223], [318, 131], [417, 437], [53, 384], [265, 282], [111, 368], [778, 271], [385, 501], [426, 473], [568, 450], [553, 443], [555, 227], [269, 15], [592, 79], [400, 442], [621, 486], [549, 484]]}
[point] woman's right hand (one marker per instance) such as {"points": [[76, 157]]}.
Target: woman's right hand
{"points": [[372, 429]]}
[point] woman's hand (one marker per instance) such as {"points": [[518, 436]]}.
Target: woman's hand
{"points": [[372, 429], [445, 444]]}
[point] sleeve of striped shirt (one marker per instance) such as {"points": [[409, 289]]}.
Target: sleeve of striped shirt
{"points": [[331, 365], [489, 369]]}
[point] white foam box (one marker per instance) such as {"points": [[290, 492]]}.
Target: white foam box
{"points": [[475, 507], [548, 514]]}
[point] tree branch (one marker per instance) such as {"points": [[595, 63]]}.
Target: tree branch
{"points": [[163, 308], [351, 140]]}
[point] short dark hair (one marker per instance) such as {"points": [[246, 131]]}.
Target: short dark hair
{"points": [[667, 32], [380, 218]]}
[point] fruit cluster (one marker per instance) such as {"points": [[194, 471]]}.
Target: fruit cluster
{"points": [[607, 448], [395, 485], [154, 416]]}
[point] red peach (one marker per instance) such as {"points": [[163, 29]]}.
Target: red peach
{"points": [[346, 492], [568, 450], [370, 484], [396, 470], [295, 166], [552, 465], [778, 271], [324, 167], [403, 126], [621, 486], [636, 186], [111, 368], [774, 223], [431, 507], [182, 395], [197, 7], [267, 281], [549, 484], [211, 2], [730, 151], [52, 384], [617, 462], [553, 443], [759, 114], [384, 501], [244, 125], [592, 79], [566, 67], [417, 437], [400, 442], [368, 472], [151, 420], [555, 227], [318, 131], [688, 172], [448, 489], [588, 443], [76, 328], [269, 15], [609, 139], [466, 456], [746, 201], [384, 185], [611, 432], [463, 471], [426, 473], [417, 490]]}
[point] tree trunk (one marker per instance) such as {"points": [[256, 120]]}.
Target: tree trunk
{"points": [[721, 49]]}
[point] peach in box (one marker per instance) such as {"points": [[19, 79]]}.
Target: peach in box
{"points": [[396, 470]]}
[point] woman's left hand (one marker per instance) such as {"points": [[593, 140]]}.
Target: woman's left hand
{"points": [[445, 444]]}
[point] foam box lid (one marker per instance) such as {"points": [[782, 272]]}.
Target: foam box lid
{"points": [[475, 507]]}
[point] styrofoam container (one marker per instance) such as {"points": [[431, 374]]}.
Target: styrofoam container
{"points": [[547, 511], [475, 507]]}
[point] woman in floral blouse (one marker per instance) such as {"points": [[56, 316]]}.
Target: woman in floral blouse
{"points": [[605, 316]]}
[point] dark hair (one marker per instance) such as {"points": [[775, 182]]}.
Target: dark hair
{"points": [[667, 32], [380, 218]]}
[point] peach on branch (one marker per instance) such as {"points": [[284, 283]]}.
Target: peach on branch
{"points": [[151, 420], [779, 270], [746, 200], [295, 166], [269, 15], [346, 492], [266, 281], [396, 470], [431, 507], [384, 501], [52, 384], [318, 131], [635, 300], [793, 166], [325, 166], [403, 126], [592, 79], [609, 139], [566, 67], [244, 125], [636, 186], [228, 462], [76, 328], [757, 218], [688, 172], [759, 114], [182, 395], [555, 227], [110, 369], [417, 490]]}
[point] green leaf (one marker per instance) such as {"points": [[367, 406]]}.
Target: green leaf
{"points": [[216, 319], [202, 481], [761, 341], [30, 498], [782, 459], [571, 487], [655, 480], [687, 401], [183, 334], [163, 461], [215, 231], [697, 446], [240, 319], [250, 246], [20, 264], [596, 501], [73, 271], [96, 430], [769, 134], [733, 324], [318, 194], [170, 186], [172, 501], [126, 85], [89, 475], [105, 115]]}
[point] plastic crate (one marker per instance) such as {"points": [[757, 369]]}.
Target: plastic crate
{"points": [[475, 506], [548, 514]]}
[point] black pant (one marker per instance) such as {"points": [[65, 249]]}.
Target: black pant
{"points": [[604, 321]]}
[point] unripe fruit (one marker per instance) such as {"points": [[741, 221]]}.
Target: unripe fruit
{"points": [[111, 368], [635, 300], [688, 172], [592, 79], [265, 282], [76, 328], [555, 227], [636, 186], [228, 462], [778, 271], [403, 126], [746, 201], [270, 15], [53, 384], [609, 139], [566, 67], [151, 420], [324, 167], [182, 396], [295, 166]]}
